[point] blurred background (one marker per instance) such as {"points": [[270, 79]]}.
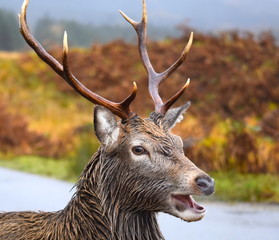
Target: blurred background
{"points": [[232, 127]]}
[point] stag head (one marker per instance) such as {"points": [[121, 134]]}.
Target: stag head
{"points": [[142, 164], [149, 162]]}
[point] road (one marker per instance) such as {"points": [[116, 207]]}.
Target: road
{"points": [[21, 191]]}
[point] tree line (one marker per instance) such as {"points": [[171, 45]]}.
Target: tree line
{"points": [[50, 32], [10, 39]]}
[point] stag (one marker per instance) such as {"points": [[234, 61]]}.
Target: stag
{"points": [[139, 170]]}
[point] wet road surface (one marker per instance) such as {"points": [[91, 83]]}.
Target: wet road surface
{"points": [[20, 191]]}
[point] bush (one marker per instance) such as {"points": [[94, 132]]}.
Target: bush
{"points": [[15, 137]]}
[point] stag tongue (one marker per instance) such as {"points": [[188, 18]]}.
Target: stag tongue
{"points": [[183, 202]]}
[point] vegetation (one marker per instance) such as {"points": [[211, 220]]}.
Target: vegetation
{"points": [[233, 121], [49, 32], [43, 166], [230, 186], [10, 38], [234, 186]]}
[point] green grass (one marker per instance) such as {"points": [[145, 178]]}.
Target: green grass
{"points": [[53, 168], [230, 186]]}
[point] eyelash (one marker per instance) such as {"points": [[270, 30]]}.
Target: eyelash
{"points": [[167, 152]]}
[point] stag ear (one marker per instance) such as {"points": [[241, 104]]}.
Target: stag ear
{"points": [[175, 115], [105, 125]]}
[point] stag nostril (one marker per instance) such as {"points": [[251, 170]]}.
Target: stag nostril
{"points": [[205, 184]]}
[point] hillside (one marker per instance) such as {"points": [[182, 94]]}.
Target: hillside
{"points": [[234, 91]]}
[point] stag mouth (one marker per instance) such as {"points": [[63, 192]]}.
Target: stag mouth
{"points": [[186, 208]]}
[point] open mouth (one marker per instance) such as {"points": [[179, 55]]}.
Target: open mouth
{"points": [[186, 208]]}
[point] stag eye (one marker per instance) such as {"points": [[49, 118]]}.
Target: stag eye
{"points": [[138, 150]]}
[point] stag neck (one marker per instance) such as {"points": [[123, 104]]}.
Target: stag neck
{"points": [[138, 226], [111, 225], [84, 218], [105, 215]]}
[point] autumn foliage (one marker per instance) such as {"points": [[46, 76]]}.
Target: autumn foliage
{"points": [[234, 90], [16, 137]]}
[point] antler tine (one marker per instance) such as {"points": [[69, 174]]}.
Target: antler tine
{"points": [[154, 78], [166, 106], [33, 43], [120, 109]]}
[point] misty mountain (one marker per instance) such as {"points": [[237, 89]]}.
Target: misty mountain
{"points": [[207, 15]]}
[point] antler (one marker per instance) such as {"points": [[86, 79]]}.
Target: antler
{"points": [[154, 78], [120, 109]]}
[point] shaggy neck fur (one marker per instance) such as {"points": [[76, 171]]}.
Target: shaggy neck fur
{"points": [[96, 201]]}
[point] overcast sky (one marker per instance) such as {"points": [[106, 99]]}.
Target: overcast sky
{"points": [[203, 14]]}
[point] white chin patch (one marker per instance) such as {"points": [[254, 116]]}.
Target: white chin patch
{"points": [[189, 215]]}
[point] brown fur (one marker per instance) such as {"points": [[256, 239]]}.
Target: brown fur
{"points": [[116, 197]]}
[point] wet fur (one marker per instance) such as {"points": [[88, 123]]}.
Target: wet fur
{"points": [[116, 197]]}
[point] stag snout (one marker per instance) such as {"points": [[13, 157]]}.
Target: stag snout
{"points": [[184, 205], [205, 184]]}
